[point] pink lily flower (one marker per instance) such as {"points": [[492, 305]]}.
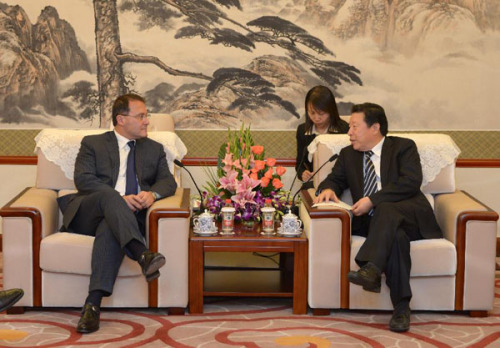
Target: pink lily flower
{"points": [[246, 196], [230, 181], [247, 183]]}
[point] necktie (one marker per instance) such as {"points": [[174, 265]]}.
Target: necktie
{"points": [[131, 187], [370, 178]]}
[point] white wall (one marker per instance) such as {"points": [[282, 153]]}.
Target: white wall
{"points": [[482, 183]]}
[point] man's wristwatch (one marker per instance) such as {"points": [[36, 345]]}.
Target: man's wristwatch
{"points": [[156, 196]]}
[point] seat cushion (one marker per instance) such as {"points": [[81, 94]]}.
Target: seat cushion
{"points": [[66, 252], [429, 257]]}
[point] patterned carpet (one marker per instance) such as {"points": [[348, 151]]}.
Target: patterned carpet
{"points": [[249, 323]]}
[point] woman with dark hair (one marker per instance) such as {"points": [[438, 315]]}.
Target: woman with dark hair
{"points": [[322, 117]]}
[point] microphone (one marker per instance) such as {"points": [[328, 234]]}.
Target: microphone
{"points": [[294, 209], [179, 164], [304, 154]]}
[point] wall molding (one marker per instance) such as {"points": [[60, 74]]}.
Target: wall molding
{"points": [[20, 160], [204, 144], [285, 162]]}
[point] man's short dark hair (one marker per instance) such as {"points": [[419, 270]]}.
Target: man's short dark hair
{"points": [[121, 105], [374, 113]]}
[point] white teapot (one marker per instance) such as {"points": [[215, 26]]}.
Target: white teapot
{"points": [[291, 223], [204, 223]]}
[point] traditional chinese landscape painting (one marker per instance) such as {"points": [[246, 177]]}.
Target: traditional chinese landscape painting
{"points": [[213, 64]]}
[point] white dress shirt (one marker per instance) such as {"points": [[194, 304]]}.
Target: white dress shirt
{"points": [[124, 150]]}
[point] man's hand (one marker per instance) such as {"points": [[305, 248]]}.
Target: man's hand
{"points": [[306, 175], [363, 206], [133, 202], [142, 200], [147, 198], [326, 195]]}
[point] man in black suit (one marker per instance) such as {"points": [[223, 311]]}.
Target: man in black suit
{"points": [[384, 175], [118, 174]]}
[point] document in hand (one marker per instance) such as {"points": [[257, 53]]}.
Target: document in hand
{"points": [[340, 204]]}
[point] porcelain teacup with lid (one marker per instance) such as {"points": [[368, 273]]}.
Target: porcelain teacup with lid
{"points": [[204, 223], [291, 223]]}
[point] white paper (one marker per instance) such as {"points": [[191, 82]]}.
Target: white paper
{"points": [[340, 204]]}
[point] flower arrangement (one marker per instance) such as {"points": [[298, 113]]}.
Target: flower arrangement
{"points": [[245, 176]]}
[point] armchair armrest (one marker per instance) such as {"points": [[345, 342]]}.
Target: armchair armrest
{"points": [[329, 233], [471, 226], [169, 234], [29, 217]]}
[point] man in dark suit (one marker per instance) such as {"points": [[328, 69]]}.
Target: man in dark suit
{"points": [[118, 174], [384, 175]]}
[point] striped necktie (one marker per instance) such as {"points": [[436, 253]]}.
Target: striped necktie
{"points": [[131, 186], [370, 178]]}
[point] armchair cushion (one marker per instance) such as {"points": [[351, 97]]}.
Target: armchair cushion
{"points": [[429, 257], [65, 252]]}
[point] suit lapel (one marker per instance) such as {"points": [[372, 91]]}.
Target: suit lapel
{"points": [[114, 156], [139, 157], [358, 166], [385, 161]]}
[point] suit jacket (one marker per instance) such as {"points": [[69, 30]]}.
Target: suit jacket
{"points": [[97, 166], [400, 175]]}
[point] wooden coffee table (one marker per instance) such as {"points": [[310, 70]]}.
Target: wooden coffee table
{"points": [[248, 241]]}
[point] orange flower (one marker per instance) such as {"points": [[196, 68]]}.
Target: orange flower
{"points": [[269, 173], [254, 176], [271, 162], [280, 170], [277, 183], [257, 149], [259, 165], [264, 181]]}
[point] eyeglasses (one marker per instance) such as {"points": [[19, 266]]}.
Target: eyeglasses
{"points": [[140, 117]]}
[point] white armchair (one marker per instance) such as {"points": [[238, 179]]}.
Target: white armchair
{"points": [[53, 268], [456, 272]]}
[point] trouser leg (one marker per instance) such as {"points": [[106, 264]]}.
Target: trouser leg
{"points": [[110, 206], [398, 268], [378, 244], [107, 257], [392, 228], [386, 220], [106, 216]]}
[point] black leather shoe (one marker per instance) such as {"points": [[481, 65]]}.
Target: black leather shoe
{"points": [[89, 322], [151, 262], [400, 321], [8, 298], [368, 277]]}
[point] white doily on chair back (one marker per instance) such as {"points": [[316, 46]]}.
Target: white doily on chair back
{"points": [[436, 150], [61, 146]]}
